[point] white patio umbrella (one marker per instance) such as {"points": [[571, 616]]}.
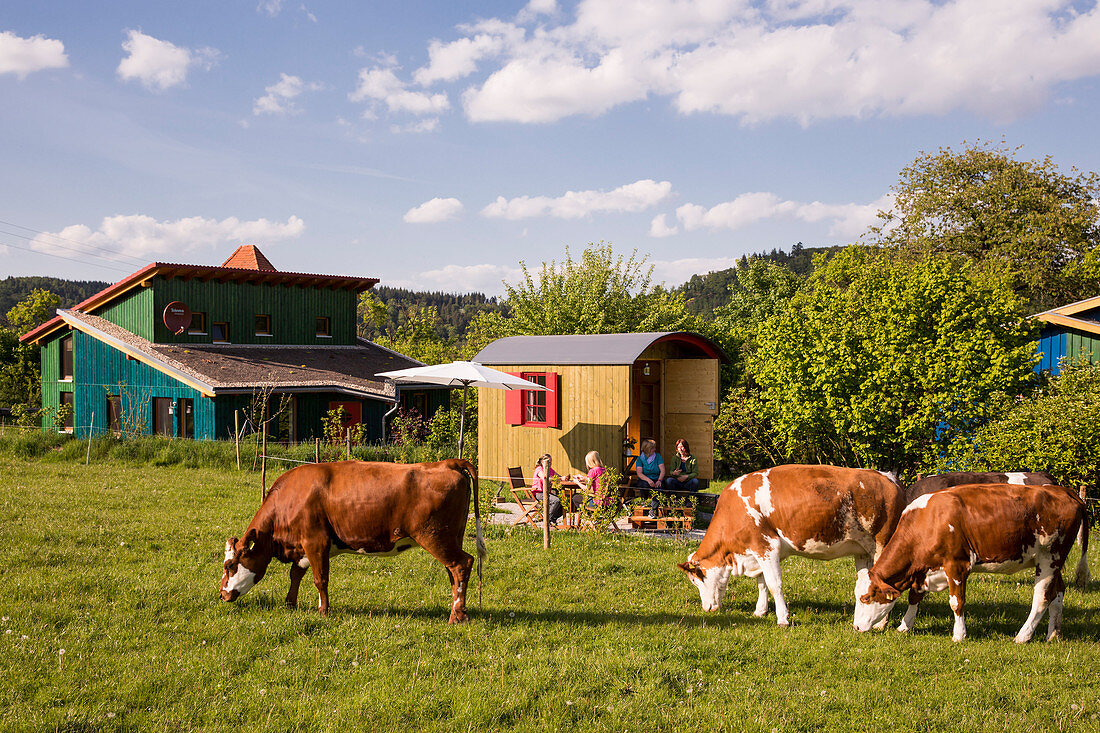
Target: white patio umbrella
{"points": [[465, 373]]}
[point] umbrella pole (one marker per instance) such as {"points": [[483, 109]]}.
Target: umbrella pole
{"points": [[462, 419]]}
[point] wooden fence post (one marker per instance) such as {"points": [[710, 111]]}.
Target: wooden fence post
{"points": [[263, 465], [545, 503], [348, 436], [237, 435], [316, 450], [88, 455]]}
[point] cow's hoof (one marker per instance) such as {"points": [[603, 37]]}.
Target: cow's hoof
{"points": [[458, 618], [760, 614], [1021, 639], [783, 624], [1055, 636], [902, 628]]}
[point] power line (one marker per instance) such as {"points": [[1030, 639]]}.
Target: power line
{"points": [[62, 257], [73, 241], [125, 265]]}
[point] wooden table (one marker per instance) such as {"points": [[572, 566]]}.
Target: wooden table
{"points": [[570, 519]]}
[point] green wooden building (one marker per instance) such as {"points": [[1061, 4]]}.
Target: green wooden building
{"points": [[177, 350]]}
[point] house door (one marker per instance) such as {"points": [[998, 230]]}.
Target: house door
{"points": [[645, 405], [162, 416], [691, 403], [187, 418]]}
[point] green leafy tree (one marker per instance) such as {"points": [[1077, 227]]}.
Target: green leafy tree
{"points": [[1056, 429], [36, 308], [20, 377], [599, 293], [1025, 218], [881, 361], [420, 338]]}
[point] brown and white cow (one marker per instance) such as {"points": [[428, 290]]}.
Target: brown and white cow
{"points": [[945, 536], [941, 481], [319, 510], [822, 512]]}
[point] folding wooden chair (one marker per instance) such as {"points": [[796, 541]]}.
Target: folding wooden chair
{"points": [[530, 508]]}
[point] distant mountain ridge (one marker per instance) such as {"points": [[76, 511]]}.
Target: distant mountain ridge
{"points": [[15, 289]]}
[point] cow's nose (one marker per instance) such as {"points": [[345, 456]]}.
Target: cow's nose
{"points": [[229, 595]]}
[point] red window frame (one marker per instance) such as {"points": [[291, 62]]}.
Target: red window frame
{"points": [[534, 408]]}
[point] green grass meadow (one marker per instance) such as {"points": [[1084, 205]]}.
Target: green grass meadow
{"points": [[111, 621]]}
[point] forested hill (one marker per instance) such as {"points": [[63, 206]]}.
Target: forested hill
{"points": [[71, 292], [455, 310], [706, 292]]}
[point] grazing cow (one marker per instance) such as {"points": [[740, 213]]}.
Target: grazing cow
{"points": [[1001, 528], [319, 510], [823, 512], [944, 480]]}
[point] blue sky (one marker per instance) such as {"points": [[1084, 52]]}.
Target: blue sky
{"points": [[435, 145]]}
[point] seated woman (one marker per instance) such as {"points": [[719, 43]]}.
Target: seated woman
{"points": [[685, 469], [650, 472], [553, 503], [591, 482]]}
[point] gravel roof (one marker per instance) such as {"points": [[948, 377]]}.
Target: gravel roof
{"points": [[231, 368]]}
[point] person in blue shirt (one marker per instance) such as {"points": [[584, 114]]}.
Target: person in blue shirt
{"points": [[650, 469]]}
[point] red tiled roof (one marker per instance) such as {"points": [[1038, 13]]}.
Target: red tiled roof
{"points": [[249, 257]]}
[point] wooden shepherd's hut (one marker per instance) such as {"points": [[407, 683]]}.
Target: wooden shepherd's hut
{"points": [[607, 392]]}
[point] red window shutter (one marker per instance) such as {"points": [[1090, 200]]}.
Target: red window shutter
{"points": [[553, 400], [513, 404]]}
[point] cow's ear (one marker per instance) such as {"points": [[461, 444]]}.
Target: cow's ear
{"points": [[250, 539], [691, 568]]}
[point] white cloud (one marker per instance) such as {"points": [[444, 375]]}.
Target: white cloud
{"points": [[806, 60], [435, 210], [674, 273], [429, 125], [535, 8], [311, 16], [143, 236], [270, 8], [159, 64], [659, 227], [633, 197], [382, 85], [845, 220], [22, 56], [279, 99], [488, 279]]}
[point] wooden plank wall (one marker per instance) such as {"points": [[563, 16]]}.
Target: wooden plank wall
{"points": [[134, 313], [595, 404], [293, 311]]}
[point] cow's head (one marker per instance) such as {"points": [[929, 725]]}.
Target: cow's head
{"points": [[875, 598], [245, 565], [711, 581]]}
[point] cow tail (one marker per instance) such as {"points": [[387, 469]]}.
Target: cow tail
{"points": [[1083, 576], [481, 551]]}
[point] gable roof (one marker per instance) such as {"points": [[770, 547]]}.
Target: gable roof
{"points": [[604, 348], [227, 369], [203, 273], [1084, 315]]}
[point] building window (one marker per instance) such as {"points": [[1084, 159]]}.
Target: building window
{"points": [[67, 358], [198, 324], [69, 410], [263, 325], [534, 402], [534, 408], [114, 413], [220, 332], [162, 416], [323, 326]]}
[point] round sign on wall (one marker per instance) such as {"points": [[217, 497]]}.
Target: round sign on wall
{"points": [[177, 317]]}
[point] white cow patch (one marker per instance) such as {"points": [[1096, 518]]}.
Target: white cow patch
{"points": [[935, 581], [241, 581], [950, 528], [304, 563], [1017, 478], [764, 495], [754, 514], [919, 503], [228, 551]]}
